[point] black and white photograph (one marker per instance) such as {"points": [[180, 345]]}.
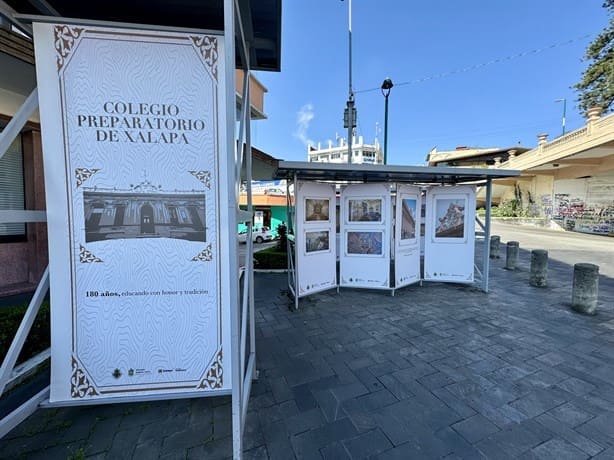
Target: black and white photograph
{"points": [[143, 212]]}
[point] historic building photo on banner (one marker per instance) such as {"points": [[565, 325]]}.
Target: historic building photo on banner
{"points": [[449, 252], [133, 123]]}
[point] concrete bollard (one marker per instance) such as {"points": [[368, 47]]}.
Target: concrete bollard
{"points": [[495, 241], [539, 268], [585, 288], [511, 255]]}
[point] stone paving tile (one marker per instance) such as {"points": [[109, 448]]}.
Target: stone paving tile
{"points": [[557, 449], [367, 444], [570, 414], [475, 428]]}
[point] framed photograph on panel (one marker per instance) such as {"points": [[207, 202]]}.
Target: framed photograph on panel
{"points": [[408, 220], [317, 241], [364, 244], [317, 209], [365, 210], [450, 222]]}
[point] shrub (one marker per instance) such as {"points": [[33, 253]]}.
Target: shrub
{"points": [[39, 337], [271, 258]]}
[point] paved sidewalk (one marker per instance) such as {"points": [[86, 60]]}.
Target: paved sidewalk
{"points": [[438, 371]]}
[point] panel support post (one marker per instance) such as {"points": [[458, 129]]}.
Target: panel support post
{"points": [[230, 160], [296, 272], [486, 252]]}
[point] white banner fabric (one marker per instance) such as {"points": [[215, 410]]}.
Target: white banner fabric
{"points": [[407, 235], [133, 129], [315, 238], [449, 252], [365, 236]]}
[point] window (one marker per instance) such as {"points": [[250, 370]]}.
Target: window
{"points": [[12, 195]]}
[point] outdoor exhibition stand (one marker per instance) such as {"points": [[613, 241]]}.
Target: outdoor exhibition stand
{"points": [[142, 174], [361, 216]]}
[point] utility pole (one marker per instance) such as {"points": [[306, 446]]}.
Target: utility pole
{"points": [[349, 117]]}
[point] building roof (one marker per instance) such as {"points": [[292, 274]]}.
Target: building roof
{"points": [[462, 155], [261, 19], [388, 173]]}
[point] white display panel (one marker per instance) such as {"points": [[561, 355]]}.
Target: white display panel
{"points": [[365, 236], [315, 239], [407, 235], [132, 125], [450, 234]]}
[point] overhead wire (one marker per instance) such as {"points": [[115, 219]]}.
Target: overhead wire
{"points": [[483, 64]]}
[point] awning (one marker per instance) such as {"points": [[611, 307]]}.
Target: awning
{"points": [[426, 175], [261, 19]]}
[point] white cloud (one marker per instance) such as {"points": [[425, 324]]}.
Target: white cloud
{"points": [[303, 120]]}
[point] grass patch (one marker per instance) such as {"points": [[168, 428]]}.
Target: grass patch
{"points": [[39, 337]]}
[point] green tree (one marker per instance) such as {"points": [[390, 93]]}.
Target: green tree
{"points": [[597, 85]]}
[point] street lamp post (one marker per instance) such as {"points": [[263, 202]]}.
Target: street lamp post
{"points": [[564, 101], [386, 87]]}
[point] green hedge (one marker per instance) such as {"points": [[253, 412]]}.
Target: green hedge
{"points": [[271, 258], [39, 337]]}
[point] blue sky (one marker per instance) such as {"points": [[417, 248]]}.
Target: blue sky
{"points": [[490, 104]]}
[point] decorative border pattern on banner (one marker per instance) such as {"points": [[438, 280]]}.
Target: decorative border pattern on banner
{"points": [[83, 174], [205, 255], [65, 39], [203, 176], [86, 257], [80, 385], [207, 46], [215, 375]]}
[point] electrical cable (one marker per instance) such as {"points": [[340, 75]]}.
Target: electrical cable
{"points": [[483, 64]]}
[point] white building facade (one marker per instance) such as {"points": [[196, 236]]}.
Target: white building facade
{"points": [[361, 152]]}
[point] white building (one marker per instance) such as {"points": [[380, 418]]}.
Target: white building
{"points": [[361, 152]]}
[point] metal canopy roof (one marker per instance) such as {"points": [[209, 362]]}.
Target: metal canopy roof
{"points": [[388, 173], [261, 19]]}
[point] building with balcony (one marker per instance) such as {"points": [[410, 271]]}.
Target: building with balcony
{"points": [[567, 182]]}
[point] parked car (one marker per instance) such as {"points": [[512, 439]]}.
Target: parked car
{"points": [[259, 235]]}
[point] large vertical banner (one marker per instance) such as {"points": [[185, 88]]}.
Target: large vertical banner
{"points": [[315, 238], [449, 252], [365, 236], [407, 235], [132, 124]]}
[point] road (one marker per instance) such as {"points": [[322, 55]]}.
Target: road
{"points": [[567, 247]]}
